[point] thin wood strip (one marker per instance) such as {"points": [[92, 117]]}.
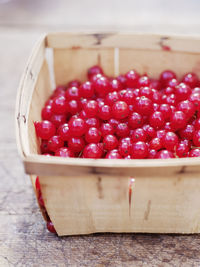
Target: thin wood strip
{"points": [[124, 40], [25, 92]]}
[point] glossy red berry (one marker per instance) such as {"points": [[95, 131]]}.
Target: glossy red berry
{"points": [[166, 76], [190, 79], [74, 83], [110, 142], [187, 108], [92, 151], [94, 70], [106, 128], [115, 85], [92, 122], [143, 81], [76, 144], [122, 80], [77, 127], [125, 146], [157, 120], [101, 86], [93, 135], [182, 91], [86, 90], [72, 93], [73, 107], [156, 144], [194, 152], [187, 132], [170, 141], [164, 154], [138, 135], [111, 98], [44, 147], [165, 110], [182, 150], [196, 138], [47, 112], [91, 108], [54, 143], [64, 132], [139, 150], [120, 110], [178, 120], [57, 120], [64, 152], [143, 105], [122, 130], [135, 120], [132, 78], [113, 154], [45, 129], [104, 112]]}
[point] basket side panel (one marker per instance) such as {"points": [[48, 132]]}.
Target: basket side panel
{"points": [[40, 95], [154, 62], [162, 203], [73, 63]]}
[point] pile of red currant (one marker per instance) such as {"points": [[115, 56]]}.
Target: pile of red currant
{"points": [[131, 116]]}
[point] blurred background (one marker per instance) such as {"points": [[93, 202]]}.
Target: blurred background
{"points": [[172, 16]]}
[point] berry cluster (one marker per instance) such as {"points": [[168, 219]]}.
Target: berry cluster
{"points": [[130, 116]]}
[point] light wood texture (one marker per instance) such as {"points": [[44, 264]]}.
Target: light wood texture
{"points": [[83, 195], [72, 63]]}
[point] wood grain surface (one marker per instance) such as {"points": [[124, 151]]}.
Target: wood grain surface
{"points": [[24, 240]]}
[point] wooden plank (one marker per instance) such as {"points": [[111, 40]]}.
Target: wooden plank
{"points": [[101, 203], [147, 41], [154, 62], [72, 63]]}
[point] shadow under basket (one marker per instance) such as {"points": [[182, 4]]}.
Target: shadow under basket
{"points": [[85, 196]]}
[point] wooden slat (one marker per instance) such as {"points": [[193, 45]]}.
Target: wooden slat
{"points": [[100, 203], [154, 62], [124, 40], [73, 63]]}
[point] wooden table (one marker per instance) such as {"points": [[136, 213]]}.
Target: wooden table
{"points": [[24, 240]]}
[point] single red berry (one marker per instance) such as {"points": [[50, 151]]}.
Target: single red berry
{"points": [[190, 79], [156, 97], [169, 90], [111, 98], [144, 105], [122, 80], [76, 144], [138, 135], [102, 86], [47, 112], [122, 130], [187, 108], [113, 154], [104, 112], [166, 76], [110, 142], [57, 120], [164, 154], [125, 146], [73, 107], [195, 99], [194, 152], [72, 93], [106, 128], [147, 91], [75, 83], [160, 133], [135, 120], [171, 99], [94, 70], [178, 120], [129, 97], [59, 105], [44, 129], [92, 122], [139, 150], [115, 85], [120, 110], [91, 108], [93, 135], [77, 127], [132, 78], [64, 132], [143, 81], [156, 144], [182, 150], [172, 83], [64, 152], [50, 227], [182, 91], [86, 89], [152, 154], [187, 132], [150, 131], [44, 147], [92, 151], [157, 120], [155, 84], [166, 110], [95, 77], [196, 138], [170, 141], [54, 143]]}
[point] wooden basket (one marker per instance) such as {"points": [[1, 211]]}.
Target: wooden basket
{"points": [[85, 196]]}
